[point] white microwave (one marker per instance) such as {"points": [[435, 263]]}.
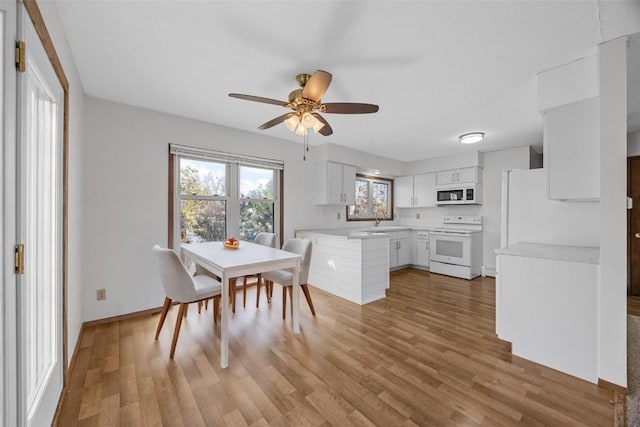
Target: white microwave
{"points": [[467, 195]]}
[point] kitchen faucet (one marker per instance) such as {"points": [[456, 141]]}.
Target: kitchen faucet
{"points": [[378, 219]]}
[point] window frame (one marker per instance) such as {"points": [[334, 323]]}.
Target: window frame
{"points": [[232, 197], [371, 179]]}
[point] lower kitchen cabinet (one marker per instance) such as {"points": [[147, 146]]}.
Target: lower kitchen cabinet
{"points": [[399, 249], [422, 249]]}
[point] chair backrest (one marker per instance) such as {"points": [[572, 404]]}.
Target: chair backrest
{"points": [[266, 239], [178, 284], [302, 247]]}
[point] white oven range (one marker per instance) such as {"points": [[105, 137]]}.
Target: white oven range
{"points": [[456, 248]]}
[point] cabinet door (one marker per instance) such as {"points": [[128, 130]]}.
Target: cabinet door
{"points": [[404, 252], [422, 253], [424, 190], [467, 175], [403, 191], [393, 253], [349, 184], [334, 184], [446, 177]]}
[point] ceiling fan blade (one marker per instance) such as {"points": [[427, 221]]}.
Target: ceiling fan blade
{"points": [[350, 108], [317, 85], [258, 99], [326, 129], [275, 121]]}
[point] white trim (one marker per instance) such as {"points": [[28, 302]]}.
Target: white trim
{"points": [[221, 156]]}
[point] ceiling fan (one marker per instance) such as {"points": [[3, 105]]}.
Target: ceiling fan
{"points": [[306, 104]]}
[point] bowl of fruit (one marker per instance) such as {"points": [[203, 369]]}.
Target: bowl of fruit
{"points": [[231, 243]]}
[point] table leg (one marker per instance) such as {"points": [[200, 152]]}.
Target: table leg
{"points": [[224, 327], [296, 298]]}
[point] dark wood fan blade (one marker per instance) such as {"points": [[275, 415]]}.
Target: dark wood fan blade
{"points": [[258, 99], [317, 85], [350, 108], [275, 121], [326, 129]]}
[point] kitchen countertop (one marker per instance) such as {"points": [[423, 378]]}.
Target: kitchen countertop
{"points": [[583, 254], [363, 233]]}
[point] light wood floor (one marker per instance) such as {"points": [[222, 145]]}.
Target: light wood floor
{"points": [[426, 355]]}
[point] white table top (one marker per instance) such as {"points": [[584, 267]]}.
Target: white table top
{"points": [[247, 255]]}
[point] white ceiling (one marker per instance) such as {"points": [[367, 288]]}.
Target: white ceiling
{"points": [[437, 69]]}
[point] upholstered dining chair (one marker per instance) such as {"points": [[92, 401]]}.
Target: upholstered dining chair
{"points": [[181, 287], [285, 277], [264, 239]]}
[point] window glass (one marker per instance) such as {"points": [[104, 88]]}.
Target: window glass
{"points": [[202, 178], [255, 217], [256, 183], [202, 220], [373, 199]]}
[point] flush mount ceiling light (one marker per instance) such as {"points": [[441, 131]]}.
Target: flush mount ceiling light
{"points": [[471, 138]]}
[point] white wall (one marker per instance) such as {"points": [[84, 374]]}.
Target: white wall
{"points": [[75, 285], [494, 163], [125, 196], [633, 144], [613, 227]]}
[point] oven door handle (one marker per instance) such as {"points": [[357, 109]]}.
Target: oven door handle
{"points": [[444, 233]]}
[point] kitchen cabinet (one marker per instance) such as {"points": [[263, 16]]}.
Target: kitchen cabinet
{"points": [[399, 249], [415, 191], [573, 174], [335, 184], [421, 249], [471, 175]]}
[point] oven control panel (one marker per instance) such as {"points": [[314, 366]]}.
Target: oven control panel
{"points": [[476, 220]]}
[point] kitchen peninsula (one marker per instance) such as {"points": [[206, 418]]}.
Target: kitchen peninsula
{"points": [[351, 263]]}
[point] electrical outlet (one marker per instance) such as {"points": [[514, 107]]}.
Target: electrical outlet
{"points": [[338, 215], [418, 215], [101, 294]]}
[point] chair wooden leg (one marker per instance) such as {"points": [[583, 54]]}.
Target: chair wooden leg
{"points": [[270, 289], [258, 291], [206, 304], [199, 307], [307, 295], [176, 330], [185, 310], [291, 298], [284, 302], [163, 314], [244, 291], [216, 308], [232, 290]]}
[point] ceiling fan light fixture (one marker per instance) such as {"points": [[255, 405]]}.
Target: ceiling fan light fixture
{"points": [[317, 125], [292, 123], [471, 138]]}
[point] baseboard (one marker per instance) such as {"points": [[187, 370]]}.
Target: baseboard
{"points": [[613, 387], [122, 317], [67, 377], [491, 272]]}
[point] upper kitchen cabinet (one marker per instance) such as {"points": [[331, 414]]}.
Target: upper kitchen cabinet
{"points": [[415, 191], [335, 184], [571, 150], [469, 175]]}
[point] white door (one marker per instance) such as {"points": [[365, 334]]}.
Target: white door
{"points": [[39, 227]]}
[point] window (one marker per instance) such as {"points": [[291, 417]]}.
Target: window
{"points": [[220, 195], [374, 198]]}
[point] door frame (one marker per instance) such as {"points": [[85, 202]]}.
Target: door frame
{"points": [[8, 312]]}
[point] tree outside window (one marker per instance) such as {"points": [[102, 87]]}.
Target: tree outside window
{"points": [[373, 199]]}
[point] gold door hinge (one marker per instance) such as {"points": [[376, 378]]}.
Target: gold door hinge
{"points": [[20, 56], [19, 264]]}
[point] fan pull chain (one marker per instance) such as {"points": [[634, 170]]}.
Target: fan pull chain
{"points": [[305, 146]]}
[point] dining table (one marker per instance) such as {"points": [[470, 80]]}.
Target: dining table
{"points": [[245, 260]]}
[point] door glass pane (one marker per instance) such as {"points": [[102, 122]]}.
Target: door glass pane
{"points": [[256, 183], [255, 217], [202, 220], [202, 178], [449, 248], [42, 239]]}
